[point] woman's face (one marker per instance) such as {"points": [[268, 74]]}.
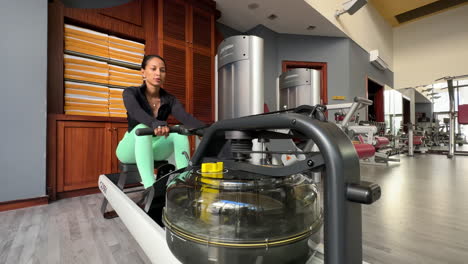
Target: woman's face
{"points": [[155, 72]]}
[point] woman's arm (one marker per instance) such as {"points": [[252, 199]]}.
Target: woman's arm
{"points": [[187, 119], [135, 110]]}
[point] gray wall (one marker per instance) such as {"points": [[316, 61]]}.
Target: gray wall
{"points": [[347, 63], [361, 69], [23, 65], [333, 51], [227, 31]]}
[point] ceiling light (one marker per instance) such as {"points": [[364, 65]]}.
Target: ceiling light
{"points": [[272, 17], [253, 6]]}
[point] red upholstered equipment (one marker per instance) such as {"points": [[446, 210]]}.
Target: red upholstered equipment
{"points": [[364, 150], [381, 142], [463, 114], [417, 140]]}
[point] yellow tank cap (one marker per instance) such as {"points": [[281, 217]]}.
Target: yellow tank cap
{"points": [[212, 167]]}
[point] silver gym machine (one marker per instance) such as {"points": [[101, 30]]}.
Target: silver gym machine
{"points": [[240, 77]]}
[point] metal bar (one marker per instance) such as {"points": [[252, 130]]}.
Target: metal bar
{"points": [[451, 152], [342, 224]]}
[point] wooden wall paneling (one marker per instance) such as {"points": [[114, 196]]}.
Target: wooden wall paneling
{"points": [[150, 25], [91, 19], [189, 61], [51, 168], [160, 29], [202, 83], [174, 20], [55, 48], [118, 132], [176, 78], [207, 5], [201, 28], [131, 12], [83, 154], [23, 203]]}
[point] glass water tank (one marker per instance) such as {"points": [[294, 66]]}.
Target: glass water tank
{"points": [[223, 215]]}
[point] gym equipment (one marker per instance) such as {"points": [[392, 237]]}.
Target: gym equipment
{"points": [[219, 215], [366, 134], [450, 87], [239, 80], [129, 176], [240, 77], [297, 87]]}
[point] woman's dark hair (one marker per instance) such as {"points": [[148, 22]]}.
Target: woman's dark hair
{"points": [[148, 58]]}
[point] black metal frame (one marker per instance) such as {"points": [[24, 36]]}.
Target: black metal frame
{"points": [[342, 223]]}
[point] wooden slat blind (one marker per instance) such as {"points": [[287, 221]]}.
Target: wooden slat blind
{"points": [[202, 105], [201, 28], [174, 20], [176, 71]]}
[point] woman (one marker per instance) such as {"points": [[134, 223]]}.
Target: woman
{"points": [[149, 106]]}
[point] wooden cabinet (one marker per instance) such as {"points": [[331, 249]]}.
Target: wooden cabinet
{"points": [[131, 12], [80, 150], [187, 44], [118, 132], [83, 154], [203, 92]]}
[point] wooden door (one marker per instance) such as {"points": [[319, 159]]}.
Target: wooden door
{"points": [[202, 29], [321, 66], [177, 80], [83, 154], [174, 20], [131, 12], [203, 87], [118, 132]]}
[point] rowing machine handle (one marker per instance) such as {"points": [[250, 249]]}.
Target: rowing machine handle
{"points": [[363, 100], [173, 129]]}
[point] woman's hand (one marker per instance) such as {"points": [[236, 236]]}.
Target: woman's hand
{"points": [[161, 131]]}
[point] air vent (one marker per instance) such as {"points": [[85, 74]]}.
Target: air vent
{"points": [[427, 10], [272, 17], [253, 6]]}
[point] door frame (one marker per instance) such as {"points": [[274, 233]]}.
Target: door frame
{"points": [[321, 66], [367, 78]]}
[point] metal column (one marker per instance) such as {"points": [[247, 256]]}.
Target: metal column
{"points": [[451, 152], [451, 92], [240, 76], [297, 87]]}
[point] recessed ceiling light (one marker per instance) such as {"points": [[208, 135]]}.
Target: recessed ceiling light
{"points": [[272, 17], [253, 6], [311, 27]]}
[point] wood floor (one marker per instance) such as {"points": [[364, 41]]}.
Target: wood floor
{"points": [[422, 217]]}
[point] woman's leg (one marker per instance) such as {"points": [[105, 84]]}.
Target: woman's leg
{"points": [[163, 147], [138, 149]]}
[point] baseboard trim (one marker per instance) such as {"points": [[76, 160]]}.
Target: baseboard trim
{"points": [[23, 203], [75, 193]]}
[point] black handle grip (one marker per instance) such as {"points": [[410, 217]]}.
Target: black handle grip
{"points": [[144, 132], [365, 193], [173, 129], [362, 100]]}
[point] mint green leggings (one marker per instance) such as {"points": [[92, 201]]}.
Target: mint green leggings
{"points": [[143, 150]]}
